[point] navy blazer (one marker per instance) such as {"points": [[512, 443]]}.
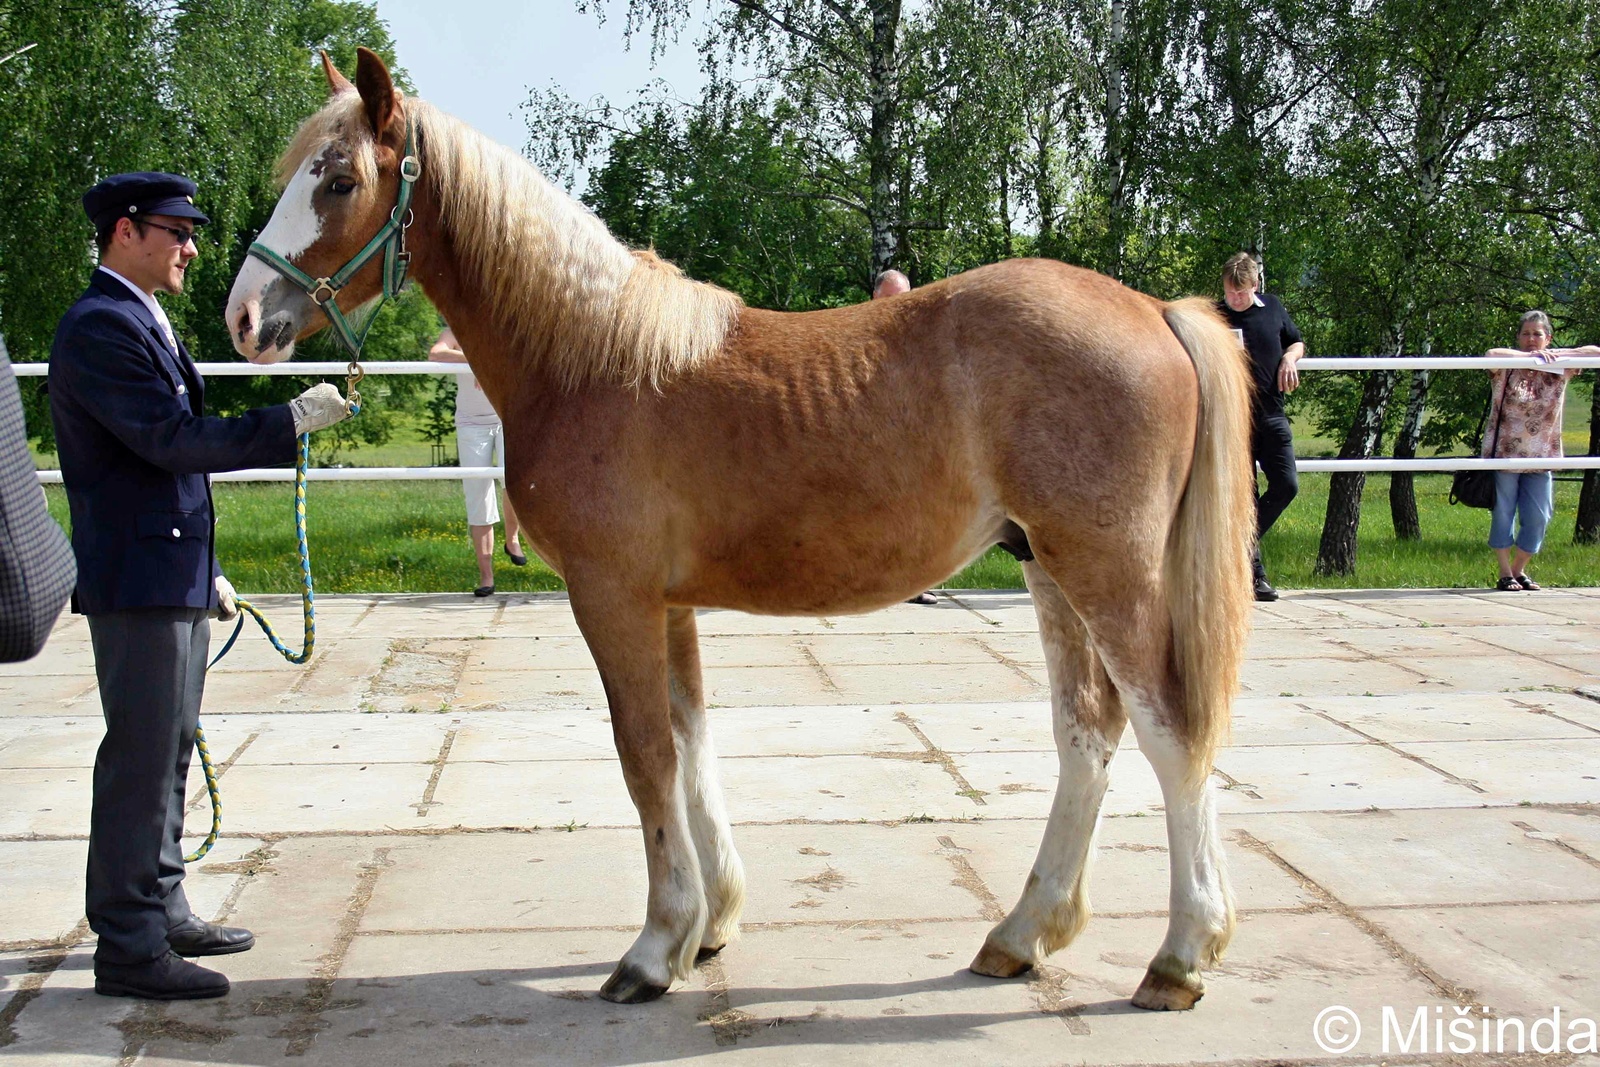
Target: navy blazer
{"points": [[135, 451]]}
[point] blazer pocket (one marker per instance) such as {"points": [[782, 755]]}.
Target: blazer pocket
{"points": [[170, 525]]}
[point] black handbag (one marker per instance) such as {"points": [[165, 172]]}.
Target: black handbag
{"points": [[1475, 488]]}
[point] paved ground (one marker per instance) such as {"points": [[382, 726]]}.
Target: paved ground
{"points": [[429, 834]]}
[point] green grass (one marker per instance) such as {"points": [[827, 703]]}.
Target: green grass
{"points": [[412, 537]]}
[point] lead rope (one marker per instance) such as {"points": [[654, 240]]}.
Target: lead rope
{"points": [[353, 377]]}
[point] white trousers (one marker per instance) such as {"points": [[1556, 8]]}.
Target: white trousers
{"points": [[481, 446]]}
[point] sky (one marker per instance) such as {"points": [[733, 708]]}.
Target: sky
{"points": [[478, 59]]}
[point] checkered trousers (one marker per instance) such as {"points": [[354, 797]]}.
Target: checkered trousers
{"points": [[37, 571]]}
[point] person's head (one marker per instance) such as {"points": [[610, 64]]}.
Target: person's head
{"points": [[891, 283], [144, 227], [1241, 277], [1533, 332]]}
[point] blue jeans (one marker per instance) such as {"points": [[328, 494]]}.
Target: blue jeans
{"points": [[1528, 495]]}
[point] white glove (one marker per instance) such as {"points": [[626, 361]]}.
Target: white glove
{"points": [[227, 600], [318, 408]]}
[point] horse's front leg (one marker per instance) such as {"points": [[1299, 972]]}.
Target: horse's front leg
{"points": [[720, 868], [627, 633]]}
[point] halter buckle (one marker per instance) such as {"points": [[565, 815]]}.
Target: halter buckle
{"points": [[410, 168], [323, 293]]}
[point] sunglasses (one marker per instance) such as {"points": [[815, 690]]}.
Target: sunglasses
{"points": [[182, 237]]}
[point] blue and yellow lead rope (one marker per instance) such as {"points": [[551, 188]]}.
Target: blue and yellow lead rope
{"points": [[307, 601]]}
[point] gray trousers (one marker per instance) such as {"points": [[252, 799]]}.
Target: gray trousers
{"points": [[151, 664]]}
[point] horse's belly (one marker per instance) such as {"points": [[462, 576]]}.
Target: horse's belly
{"points": [[802, 569]]}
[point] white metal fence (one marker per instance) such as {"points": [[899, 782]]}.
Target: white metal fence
{"points": [[1437, 465]]}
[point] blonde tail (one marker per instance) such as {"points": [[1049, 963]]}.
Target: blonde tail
{"points": [[1208, 550]]}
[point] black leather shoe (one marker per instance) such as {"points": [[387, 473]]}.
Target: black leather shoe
{"points": [[1264, 591], [517, 558], [196, 937], [164, 978], [483, 590], [923, 598]]}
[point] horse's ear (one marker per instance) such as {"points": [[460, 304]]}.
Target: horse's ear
{"points": [[376, 89], [337, 82]]}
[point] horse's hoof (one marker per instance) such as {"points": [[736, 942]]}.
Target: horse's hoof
{"points": [[628, 985], [997, 963], [1162, 992], [707, 952]]}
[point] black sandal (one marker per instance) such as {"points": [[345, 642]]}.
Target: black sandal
{"points": [[1526, 582], [1508, 584]]}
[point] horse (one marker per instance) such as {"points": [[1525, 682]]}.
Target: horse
{"points": [[670, 448]]}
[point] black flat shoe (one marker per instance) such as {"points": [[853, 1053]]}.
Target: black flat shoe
{"points": [[517, 560], [196, 937], [483, 590], [168, 977], [1264, 591]]}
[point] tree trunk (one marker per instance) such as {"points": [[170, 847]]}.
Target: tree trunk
{"points": [[883, 98], [1337, 553], [1587, 531], [1116, 161], [1402, 484]]}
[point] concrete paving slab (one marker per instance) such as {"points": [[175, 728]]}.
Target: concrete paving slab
{"points": [[1451, 716], [519, 736], [830, 786], [310, 798], [939, 683], [1519, 961], [45, 694], [38, 879], [1300, 677], [1273, 720], [52, 802], [51, 741], [548, 793], [1333, 777], [59, 656], [1405, 858], [1011, 726], [330, 738], [1551, 772], [841, 650], [1506, 673], [65, 1024], [835, 730], [501, 998], [482, 690]]}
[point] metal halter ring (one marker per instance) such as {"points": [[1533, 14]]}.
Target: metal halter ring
{"points": [[324, 285]]}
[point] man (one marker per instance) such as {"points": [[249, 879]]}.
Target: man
{"points": [[893, 283], [135, 450], [1273, 343], [36, 568]]}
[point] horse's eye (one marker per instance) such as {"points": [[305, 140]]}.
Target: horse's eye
{"points": [[342, 187]]}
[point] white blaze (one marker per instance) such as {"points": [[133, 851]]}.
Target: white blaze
{"points": [[293, 228]]}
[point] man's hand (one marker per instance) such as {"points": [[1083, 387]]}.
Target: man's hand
{"points": [[318, 408], [1288, 373], [227, 600]]}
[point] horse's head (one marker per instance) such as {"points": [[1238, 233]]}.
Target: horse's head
{"points": [[341, 178]]}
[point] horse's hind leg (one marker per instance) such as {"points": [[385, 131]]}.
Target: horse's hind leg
{"points": [[1134, 636], [1088, 722], [697, 766], [626, 631]]}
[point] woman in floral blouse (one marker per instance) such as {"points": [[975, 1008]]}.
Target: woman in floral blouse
{"points": [[1527, 408]]}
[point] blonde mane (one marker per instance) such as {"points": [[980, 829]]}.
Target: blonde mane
{"points": [[580, 305]]}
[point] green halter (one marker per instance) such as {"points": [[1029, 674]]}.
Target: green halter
{"points": [[390, 238]]}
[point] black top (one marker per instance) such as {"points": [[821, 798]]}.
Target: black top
{"points": [[1268, 330]]}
